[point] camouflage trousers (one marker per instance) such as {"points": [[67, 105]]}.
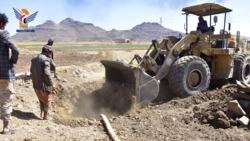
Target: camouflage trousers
{"points": [[7, 94]]}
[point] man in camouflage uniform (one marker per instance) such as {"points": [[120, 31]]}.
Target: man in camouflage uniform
{"points": [[7, 74], [42, 80]]}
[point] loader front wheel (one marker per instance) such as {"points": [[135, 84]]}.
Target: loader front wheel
{"points": [[241, 68], [188, 76]]}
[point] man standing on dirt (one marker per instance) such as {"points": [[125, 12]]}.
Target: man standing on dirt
{"points": [[53, 66], [7, 74], [42, 80], [50, 43]]}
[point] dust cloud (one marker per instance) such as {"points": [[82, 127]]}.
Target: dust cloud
{"points": [[89, 100], [111, 99]]}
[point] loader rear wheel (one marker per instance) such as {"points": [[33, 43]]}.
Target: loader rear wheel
{"points": [[241, 68], [188, 76]]}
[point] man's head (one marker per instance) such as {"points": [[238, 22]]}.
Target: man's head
{"points": [[3, 21], [50, 42], [201, 18], [47, 50]]}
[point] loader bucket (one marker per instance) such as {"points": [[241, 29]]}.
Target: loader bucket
{"points": [[144, 87]]}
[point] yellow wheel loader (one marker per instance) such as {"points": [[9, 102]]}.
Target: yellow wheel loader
{"points": [[189, 63]]}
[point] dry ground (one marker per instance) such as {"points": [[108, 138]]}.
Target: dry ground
{"points": [[81, 96]]}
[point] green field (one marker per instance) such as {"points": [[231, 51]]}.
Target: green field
{"points": [[87, 46], [90, 46]]}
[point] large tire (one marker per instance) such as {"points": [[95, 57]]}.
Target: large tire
{"points": [[241, 68], [188, 76]]}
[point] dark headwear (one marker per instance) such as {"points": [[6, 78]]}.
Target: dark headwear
{"points": [[47, 48]]}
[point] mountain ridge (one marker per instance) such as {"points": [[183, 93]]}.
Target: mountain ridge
{"points": [[70, 30]]}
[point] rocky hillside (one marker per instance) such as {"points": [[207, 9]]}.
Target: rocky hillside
{"points": [[70, 30]]}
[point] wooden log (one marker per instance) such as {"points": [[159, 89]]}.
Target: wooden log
{"points": [[240, 96], [109, 128]]}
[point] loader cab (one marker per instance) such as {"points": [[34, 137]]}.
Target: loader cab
{"points": [[223, 39]]}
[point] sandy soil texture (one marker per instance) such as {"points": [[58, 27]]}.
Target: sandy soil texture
{"points": [[81, 96]]}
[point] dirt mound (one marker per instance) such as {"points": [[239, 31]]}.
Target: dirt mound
{"points": [[89, 100], [74, 121], [81, 103], [210, 108], [216, 112], [111, 99]]}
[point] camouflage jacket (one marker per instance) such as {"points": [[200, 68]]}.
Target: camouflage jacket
{"points": [[7, 70], [40, 72]]}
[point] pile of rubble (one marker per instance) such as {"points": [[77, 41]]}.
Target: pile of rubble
{"points": [[223, 108], [241, 105]]}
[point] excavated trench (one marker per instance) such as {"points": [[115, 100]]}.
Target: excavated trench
{"points": [[77, 105], [74, 105]]}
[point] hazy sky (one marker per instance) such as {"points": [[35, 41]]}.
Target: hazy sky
{"points": [[124, 14]]}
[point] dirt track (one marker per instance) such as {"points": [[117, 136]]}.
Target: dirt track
{"points": [[81, 96]]}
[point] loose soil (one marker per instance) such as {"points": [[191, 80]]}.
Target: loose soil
{"points": [[81, 96]]}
